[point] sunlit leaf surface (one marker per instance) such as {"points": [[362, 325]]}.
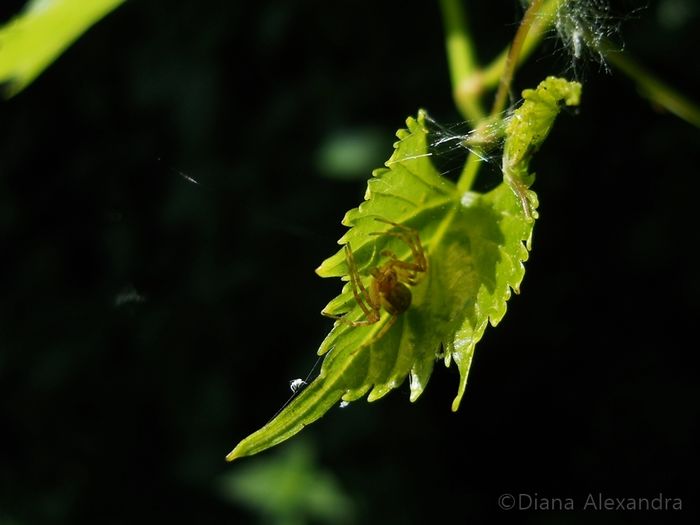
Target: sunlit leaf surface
{"points": [[34, 39], [475, 245]]}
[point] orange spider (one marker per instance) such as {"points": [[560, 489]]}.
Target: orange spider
{"points": [[390, 281]]}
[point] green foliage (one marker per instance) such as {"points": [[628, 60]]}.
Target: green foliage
{"points": [[475, 244], [351, 153], [528, 129], [34, 39], [289, 488]]}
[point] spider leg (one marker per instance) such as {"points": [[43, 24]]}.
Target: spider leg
{"points": [[398, 263], [411, 238], [362, 296], [420, 264], [387, 221], [407, 272]]}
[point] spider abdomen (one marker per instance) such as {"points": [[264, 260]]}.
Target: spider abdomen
{"points": [[396, 299]]}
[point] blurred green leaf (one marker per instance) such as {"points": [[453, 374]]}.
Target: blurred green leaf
{"points": [[35, 38], [475, 245], [351, 154], [289, 488]]}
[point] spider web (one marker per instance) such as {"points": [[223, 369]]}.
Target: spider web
{"points": [[586, 31], [449, 146]]}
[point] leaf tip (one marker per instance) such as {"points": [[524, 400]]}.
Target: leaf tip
{"points": [[236, 453], [422, 115], [460, 391]]}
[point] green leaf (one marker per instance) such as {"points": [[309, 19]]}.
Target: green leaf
{"points": [[34, 39], [475, 245], [289, 487], [528, 128]]}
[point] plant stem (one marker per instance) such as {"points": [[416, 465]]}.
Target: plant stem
{"points": [[461, 57], [512, 57], [538, 17], [468, 175], [543, 20], [655, 89]]}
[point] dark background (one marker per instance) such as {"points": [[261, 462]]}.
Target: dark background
{"points": [[148, 323]]}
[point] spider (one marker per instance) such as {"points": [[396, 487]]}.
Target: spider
{"points": [[390, 281]]}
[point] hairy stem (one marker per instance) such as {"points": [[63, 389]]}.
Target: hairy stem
{"points": [[461, 57]]}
